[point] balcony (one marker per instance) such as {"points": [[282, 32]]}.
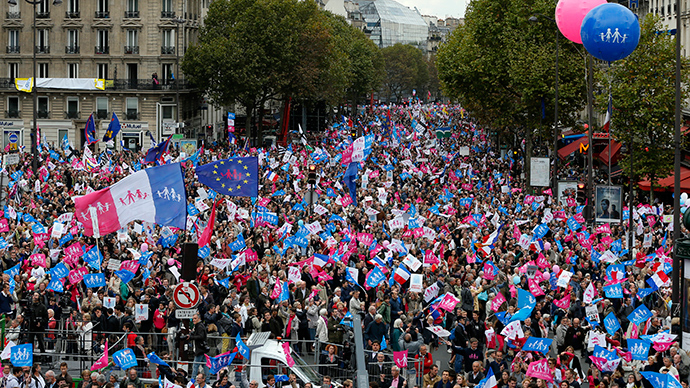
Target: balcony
{"points": [[168, 50], [131, 14], [43, 114], [102, 50], [13, 15], [131, 49], [71, 49], [13, 114], [102, 14], [72, 14], [167, 14], [13, 49], [42, 49], [72, 115], [119, 84], [42, 15], [101, 114], [132, 115]]}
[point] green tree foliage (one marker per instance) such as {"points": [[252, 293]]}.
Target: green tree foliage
{"points": [[405, 70], [501, 67], [643, 99], [251, 51]]}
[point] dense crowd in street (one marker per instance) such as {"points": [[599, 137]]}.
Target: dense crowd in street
{"points": [[444, 248]]}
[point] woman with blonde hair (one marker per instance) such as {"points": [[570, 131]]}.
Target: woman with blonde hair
{"points": [[84, 329]]}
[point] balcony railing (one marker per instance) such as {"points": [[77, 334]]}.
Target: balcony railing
{"points": [[120, 84], [42, 49], [13, 15], [13, 114], [71, 49], [167, 14], [72, 115], [131, 49], [13, 49], [43, 15], [72, 14], [43, 114], [101, 114], [132, 115], [167, 50], [102, 14], [131, 14], [102, 50]]}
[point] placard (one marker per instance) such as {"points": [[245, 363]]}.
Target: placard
{"points": [[608, 203], [540, 172], [566, 189], [416, 282], [114, 264]]}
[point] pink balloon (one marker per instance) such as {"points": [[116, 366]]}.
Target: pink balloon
{"points": [[171, 261], [547, 246], [546, 276], [556, 268], [144, 247], [569, 16]]}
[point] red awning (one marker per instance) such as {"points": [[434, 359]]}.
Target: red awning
{"points": [[572, 147], [604, 155], [668, 182]]}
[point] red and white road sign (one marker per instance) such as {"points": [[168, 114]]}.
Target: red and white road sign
{"points": [[186, 295]]}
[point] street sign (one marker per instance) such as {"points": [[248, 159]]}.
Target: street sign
{"points": [[13, 139], [185, 313], [11, 159], [186, 295]]}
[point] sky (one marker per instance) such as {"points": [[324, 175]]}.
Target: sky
{"points": [[440, 8]]}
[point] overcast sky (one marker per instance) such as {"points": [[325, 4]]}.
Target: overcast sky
{"points": [[440, 8]]}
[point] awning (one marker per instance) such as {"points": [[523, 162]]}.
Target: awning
{"points": [[604, 155], [668, 182], [572, 147]]}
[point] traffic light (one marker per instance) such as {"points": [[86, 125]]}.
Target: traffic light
{"points": [[353, 133], [311, 178]]}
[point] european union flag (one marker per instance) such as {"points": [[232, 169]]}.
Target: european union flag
{"points": [[237, 177]]}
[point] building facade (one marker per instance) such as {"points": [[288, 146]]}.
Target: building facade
{"points": [[134, 45]]}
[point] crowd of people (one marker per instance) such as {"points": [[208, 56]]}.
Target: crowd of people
{"points": [[500, 263]]}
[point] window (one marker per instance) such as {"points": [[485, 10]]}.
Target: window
{"points": [[102, 107], [72, 107], [13, 107], [102, 71], [42, 70], [166, 73], [72, 70], [168, 45], [72, 9], [43, 108], [42, 10], [168, 112], [132, 46], [72, 42], [12, 70], [102, 45], [102, 10], [132, 108], [13, 12], [13, 41], [167, 9], [132, 9], [42, 46], [62, 133]]}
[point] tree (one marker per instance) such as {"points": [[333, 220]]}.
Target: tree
{"points": [[405, 70], [643, 99], [501, 67]]}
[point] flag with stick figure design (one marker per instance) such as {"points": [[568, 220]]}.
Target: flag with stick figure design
{"points": [[155, 195]]}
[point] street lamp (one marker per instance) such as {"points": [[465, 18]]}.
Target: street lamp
{"points": [[179, 22], [34, 140], [535, 19]]}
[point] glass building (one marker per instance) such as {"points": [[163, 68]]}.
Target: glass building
{"points": [[390, 22]]}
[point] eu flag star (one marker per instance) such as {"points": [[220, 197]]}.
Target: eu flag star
{"points": [[235, 177]]}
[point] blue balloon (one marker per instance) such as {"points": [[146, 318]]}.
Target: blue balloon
{"points": [[610, 32]]}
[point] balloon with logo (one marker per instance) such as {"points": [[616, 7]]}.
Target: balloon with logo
{"points": [[610, 32], [569, 16]]}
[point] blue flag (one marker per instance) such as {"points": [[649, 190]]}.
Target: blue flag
{"points": [[349, 180], [640, 315], [526, 299], [284, 292], [56, 285], [242, 348], [59, 271], [225, 282], [374, 277], [639, 349], [93, 258], [237, 177], [156, 152], [611, 324], [22, 355], [94, 280], [113, 129], [125, 358], [614, 291], [219, 362], [125, 275], [14, 271], [90, 130], [537, 344], [153, 357]]}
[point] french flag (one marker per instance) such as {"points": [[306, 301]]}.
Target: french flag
{"points": [[489, 381], [272, 176], [489, 241], [607, 121], [320, 260], [401, 275], [154, 195], [377, 261], [657, 280]]}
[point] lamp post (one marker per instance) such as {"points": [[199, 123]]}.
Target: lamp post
{"points": [[179, 22], [34, 140], [535, 19]]}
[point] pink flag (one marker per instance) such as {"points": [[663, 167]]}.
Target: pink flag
{"points": [[75, 276], [130, 265], [497, 301], [38, 259], [662, 346], [4, 226], [448, 302], [564, 302], [205, 237], [400, 359], [604, 229], [430, 258], [540, 370], [534, 288], [103, 361], [276, 290], [288, 358], [541, 261]]}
